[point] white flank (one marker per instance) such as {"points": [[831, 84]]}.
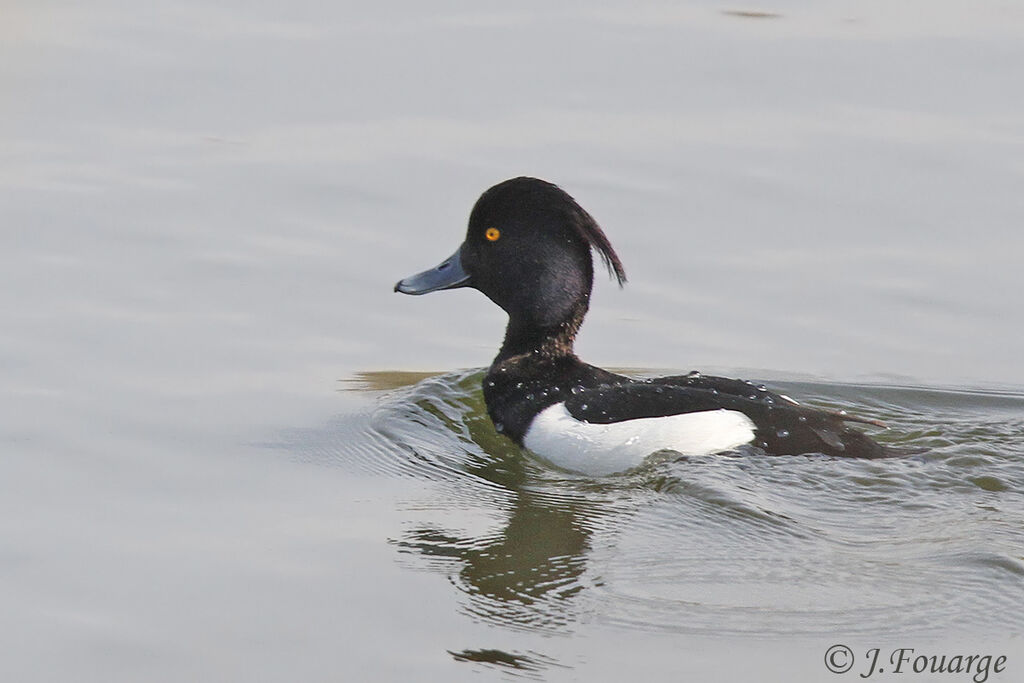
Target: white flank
{"points": [[599, 449]]}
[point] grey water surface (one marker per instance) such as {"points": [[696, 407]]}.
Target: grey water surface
{"points": [[230, 452]]}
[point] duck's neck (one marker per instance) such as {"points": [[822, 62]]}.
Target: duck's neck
{"points": [[525, 339]]}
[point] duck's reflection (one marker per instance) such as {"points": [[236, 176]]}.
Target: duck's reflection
{"points": [[528, 573]]}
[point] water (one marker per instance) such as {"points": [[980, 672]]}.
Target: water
{"points": [[232, 453], [847, 547], [742, 549]]}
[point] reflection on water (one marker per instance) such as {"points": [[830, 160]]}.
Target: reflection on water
{"points": [[751, 14], [530, 664], [527, 575], [735, 545], [384, 380]]}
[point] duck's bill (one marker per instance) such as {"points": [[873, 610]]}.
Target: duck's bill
{"points": [[448, 275]]}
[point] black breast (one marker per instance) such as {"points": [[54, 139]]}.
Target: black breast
{"points": [[516, 389]]}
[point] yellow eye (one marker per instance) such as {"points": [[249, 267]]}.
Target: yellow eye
{"points": [[492, 234]]}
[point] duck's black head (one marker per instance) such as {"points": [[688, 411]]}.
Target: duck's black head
{"points": [[528, 249]]}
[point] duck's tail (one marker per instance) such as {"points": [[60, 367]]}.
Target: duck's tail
{"points": [[820, 431]]}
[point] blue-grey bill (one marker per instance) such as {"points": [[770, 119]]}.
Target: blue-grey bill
{"points": [[448, 275]]}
